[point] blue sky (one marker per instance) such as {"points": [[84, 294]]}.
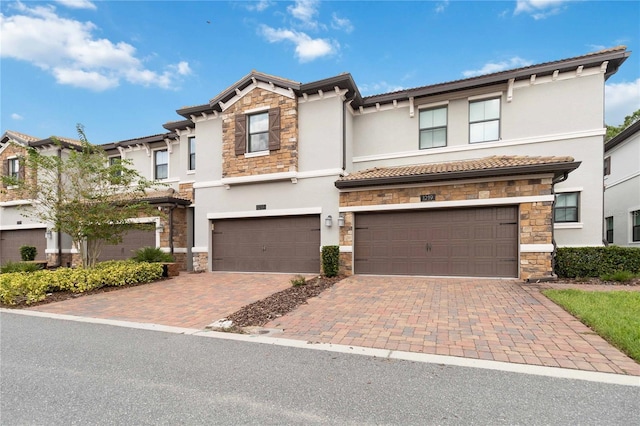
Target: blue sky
{"points": [[122, 68]]}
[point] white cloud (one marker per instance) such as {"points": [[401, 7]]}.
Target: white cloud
{"points": [[258, 6], [77, 4], [305, 11], [68, 50], [441, 6], [343, 24], [540, 9], [378, 88], [620, 100], [492, 67], [307, 48], [16, 116]]}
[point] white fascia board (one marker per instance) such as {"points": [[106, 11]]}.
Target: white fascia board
{"points": [[270, 177], [449, 204], [536, 248], [568, 225], [264, 213], [258, 178], [560, 190], [325, 95], [346, 249], [23, 227], [623, 180], [259, 84], [478, 146]]}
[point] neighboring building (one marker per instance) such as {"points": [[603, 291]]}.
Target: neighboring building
{"points": [[622, 188], [453, 179]]}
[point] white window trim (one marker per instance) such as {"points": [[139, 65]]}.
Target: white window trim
{"points": [[256, 153], [630, 226], [189, 169], [153, 164], [569, 225], [256, 111], [482, 98]]}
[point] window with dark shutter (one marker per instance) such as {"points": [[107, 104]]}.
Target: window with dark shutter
{"points": [[274, 129], [241, 134], [5, 171], [607, 166]]}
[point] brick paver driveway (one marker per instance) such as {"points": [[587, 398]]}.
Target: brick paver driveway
{"points": [[189, 300], [501, 320]]}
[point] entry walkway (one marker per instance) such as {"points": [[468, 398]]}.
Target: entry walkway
{"points": [[500, 320]]}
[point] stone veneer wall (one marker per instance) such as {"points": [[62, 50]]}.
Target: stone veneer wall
{"points": [[200, 262], [284, 159], [68, 260], [13, 150], [536, 225]]}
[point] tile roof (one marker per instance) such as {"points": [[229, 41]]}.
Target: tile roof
{"points": [[487, 163], [21, 136]]}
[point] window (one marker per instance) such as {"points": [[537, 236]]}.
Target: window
{"points": [[161, 164], [192, 153], [433, 128], [635, 226], [607, 166], [14, 168], [566, 208], [114, 161], [484, 120], [258, 132], [609, 228]]}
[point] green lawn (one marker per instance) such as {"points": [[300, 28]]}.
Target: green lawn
{"points": [[614, 315]]}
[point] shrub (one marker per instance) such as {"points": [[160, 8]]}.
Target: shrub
{"points": [[28, 253], [330, 260], [298, 280], [620, 276], [572, 262], [19, 267], [152, 255], [19, 286]]}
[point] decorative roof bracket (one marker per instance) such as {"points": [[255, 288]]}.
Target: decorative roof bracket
{"points": [[510, 89]]}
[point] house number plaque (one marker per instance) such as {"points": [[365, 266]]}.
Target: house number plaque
{"points": [[428, 197]]}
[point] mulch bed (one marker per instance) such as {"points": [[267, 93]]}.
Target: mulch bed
{"points": [[278, 304]]}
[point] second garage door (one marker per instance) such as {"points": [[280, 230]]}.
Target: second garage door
{"points": [[475, 242], [132, 241], [273, 244], [11, 241]]}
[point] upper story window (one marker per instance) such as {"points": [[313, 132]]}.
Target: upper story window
{"points": [[433, 128], [161, 164], [192, 153], [609, 229], [566, 207], [257, 132], [484, 120], [115, 161], [635, 226], [607, 166], [14, 170]]}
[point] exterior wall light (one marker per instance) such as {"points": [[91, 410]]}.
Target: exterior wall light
{"points": [[341, 220], [160, 229], [328, 221], [48, 234]]}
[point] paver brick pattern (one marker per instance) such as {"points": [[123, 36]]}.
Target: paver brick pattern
{"points": [[189, 300], [500, 320]]}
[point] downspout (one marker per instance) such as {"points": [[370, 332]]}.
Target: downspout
{"points": [[171, 228], [59, 234], [555, 180]]}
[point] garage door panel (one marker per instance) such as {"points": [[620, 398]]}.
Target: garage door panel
{"points": [[273, 244], [133, 240], [11, 241], [457, 242]]}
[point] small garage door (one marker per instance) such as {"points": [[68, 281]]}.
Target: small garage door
{"points": [[132, 241], [274, 244], [11, 241], [476, 242]]}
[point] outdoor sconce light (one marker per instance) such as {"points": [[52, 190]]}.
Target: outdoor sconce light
{"points": [[341, 220], [160, 229], [48, 234], [328, 221]]}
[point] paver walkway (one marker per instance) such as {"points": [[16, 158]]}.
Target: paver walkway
{"points": [[501, 320], [189, 300]]}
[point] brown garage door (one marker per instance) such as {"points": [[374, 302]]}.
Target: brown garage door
{"points": [[477, 242], [11, 241], [274, 244], [132, 241]]}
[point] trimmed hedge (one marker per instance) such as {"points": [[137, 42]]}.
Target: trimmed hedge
{"points": [[330, 260], [574, 262], [33, 287]]}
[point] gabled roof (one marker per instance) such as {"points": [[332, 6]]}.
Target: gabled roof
{"points": [[466, 169], [21, 138], [160, 137], [622, 136], [33, 141]]}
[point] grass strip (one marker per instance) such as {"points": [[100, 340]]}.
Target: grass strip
{"points": [[614, 315]]}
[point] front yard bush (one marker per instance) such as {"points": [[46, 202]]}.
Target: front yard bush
{"points": [[152, 255], [32, 287], [572, 262], [330, 260], [28, 253], [19, 267]]}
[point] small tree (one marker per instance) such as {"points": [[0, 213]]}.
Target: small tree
{"points": [[80, 194], [613, 131]]}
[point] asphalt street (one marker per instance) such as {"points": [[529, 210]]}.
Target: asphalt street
{"points": [[56, 372]]}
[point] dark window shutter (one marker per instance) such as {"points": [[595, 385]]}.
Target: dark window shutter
{"points": [[241, 134], [274, 129], [21, 171], [5, 171]]}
